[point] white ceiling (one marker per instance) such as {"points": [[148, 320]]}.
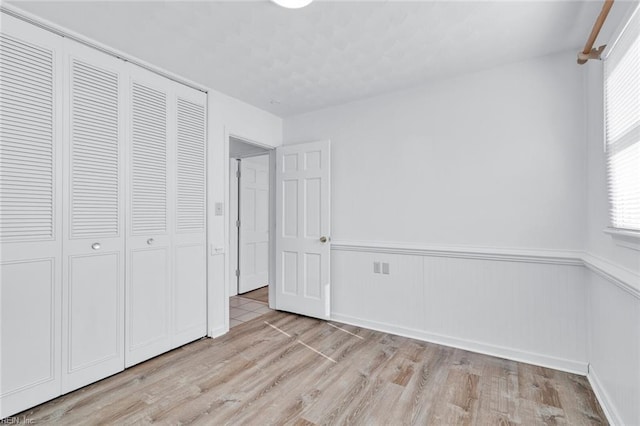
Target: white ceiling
{"points": [[292, 61]]}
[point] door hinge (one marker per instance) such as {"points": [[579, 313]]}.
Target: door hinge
{"points": [[238, 174], [237, 224], [237, 272]]}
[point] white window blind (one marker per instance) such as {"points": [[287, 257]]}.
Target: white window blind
{"points": [[622, 117]]}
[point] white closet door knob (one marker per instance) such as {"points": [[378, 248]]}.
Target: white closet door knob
{"points": [[150, 241], [95, 246]]}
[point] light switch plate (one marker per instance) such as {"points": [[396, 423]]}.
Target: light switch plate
{"points": [[219, 209]]}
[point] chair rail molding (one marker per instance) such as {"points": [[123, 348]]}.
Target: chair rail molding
{"points": [[623, 278], [555, 257]]}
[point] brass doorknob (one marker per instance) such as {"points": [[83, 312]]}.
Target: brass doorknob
{"points": [[323, 239]]}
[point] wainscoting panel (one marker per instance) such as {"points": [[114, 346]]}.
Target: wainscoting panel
{"points": [[527, 310], [395, 299], [532, 308], [614, 349]]}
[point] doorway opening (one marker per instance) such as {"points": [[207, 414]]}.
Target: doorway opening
{"points": [[250, 245]]}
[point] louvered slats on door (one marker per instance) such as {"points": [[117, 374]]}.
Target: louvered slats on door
{"points": [[149, 161], [191, 163], [95, 174], [27, 136]]}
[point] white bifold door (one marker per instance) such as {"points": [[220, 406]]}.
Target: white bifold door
{"points": [[102, 215], [303, 228], [150, 177], [94, 237], [30, 211], [166, 244], [189, 254], [254, 223]]}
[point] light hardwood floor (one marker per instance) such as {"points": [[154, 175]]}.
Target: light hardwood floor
{"points": [[288, 369]]}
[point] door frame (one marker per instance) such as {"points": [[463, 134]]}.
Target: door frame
{"points": [[229, 275]]}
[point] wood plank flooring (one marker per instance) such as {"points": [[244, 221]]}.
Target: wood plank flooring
{"points": [[287, 369], [261, 294]]}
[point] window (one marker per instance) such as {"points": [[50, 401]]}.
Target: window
{"points": [[622, 123]]}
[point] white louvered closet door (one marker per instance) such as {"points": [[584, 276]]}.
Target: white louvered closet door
{"points": [[93, 280], [30, 215], [149, 265], [189, 237]]}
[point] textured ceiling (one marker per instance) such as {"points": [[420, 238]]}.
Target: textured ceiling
{"points": [[293, 61]]}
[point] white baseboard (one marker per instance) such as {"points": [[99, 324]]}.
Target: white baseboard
{"points": [[603, 398], [217, 331], [570, 366]]}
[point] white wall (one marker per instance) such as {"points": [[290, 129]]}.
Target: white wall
{"points": [[473, 190], [495, 158], [228, 117]]}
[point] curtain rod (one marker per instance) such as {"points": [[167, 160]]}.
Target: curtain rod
{"points": [[589, 52]]}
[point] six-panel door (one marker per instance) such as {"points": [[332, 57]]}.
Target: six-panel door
{"points": [[302, 228]]}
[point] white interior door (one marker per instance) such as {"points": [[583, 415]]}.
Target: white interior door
{"points": [[303, 228], [254, 223], [148, 289], [93, 249], [30, 215]]}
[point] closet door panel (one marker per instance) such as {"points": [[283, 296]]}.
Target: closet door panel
{"points": [[30, 215], [147, 298], [148, 292], [189, 301], [93, 338], [32, 357], [190, 295], [93, 283]]}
